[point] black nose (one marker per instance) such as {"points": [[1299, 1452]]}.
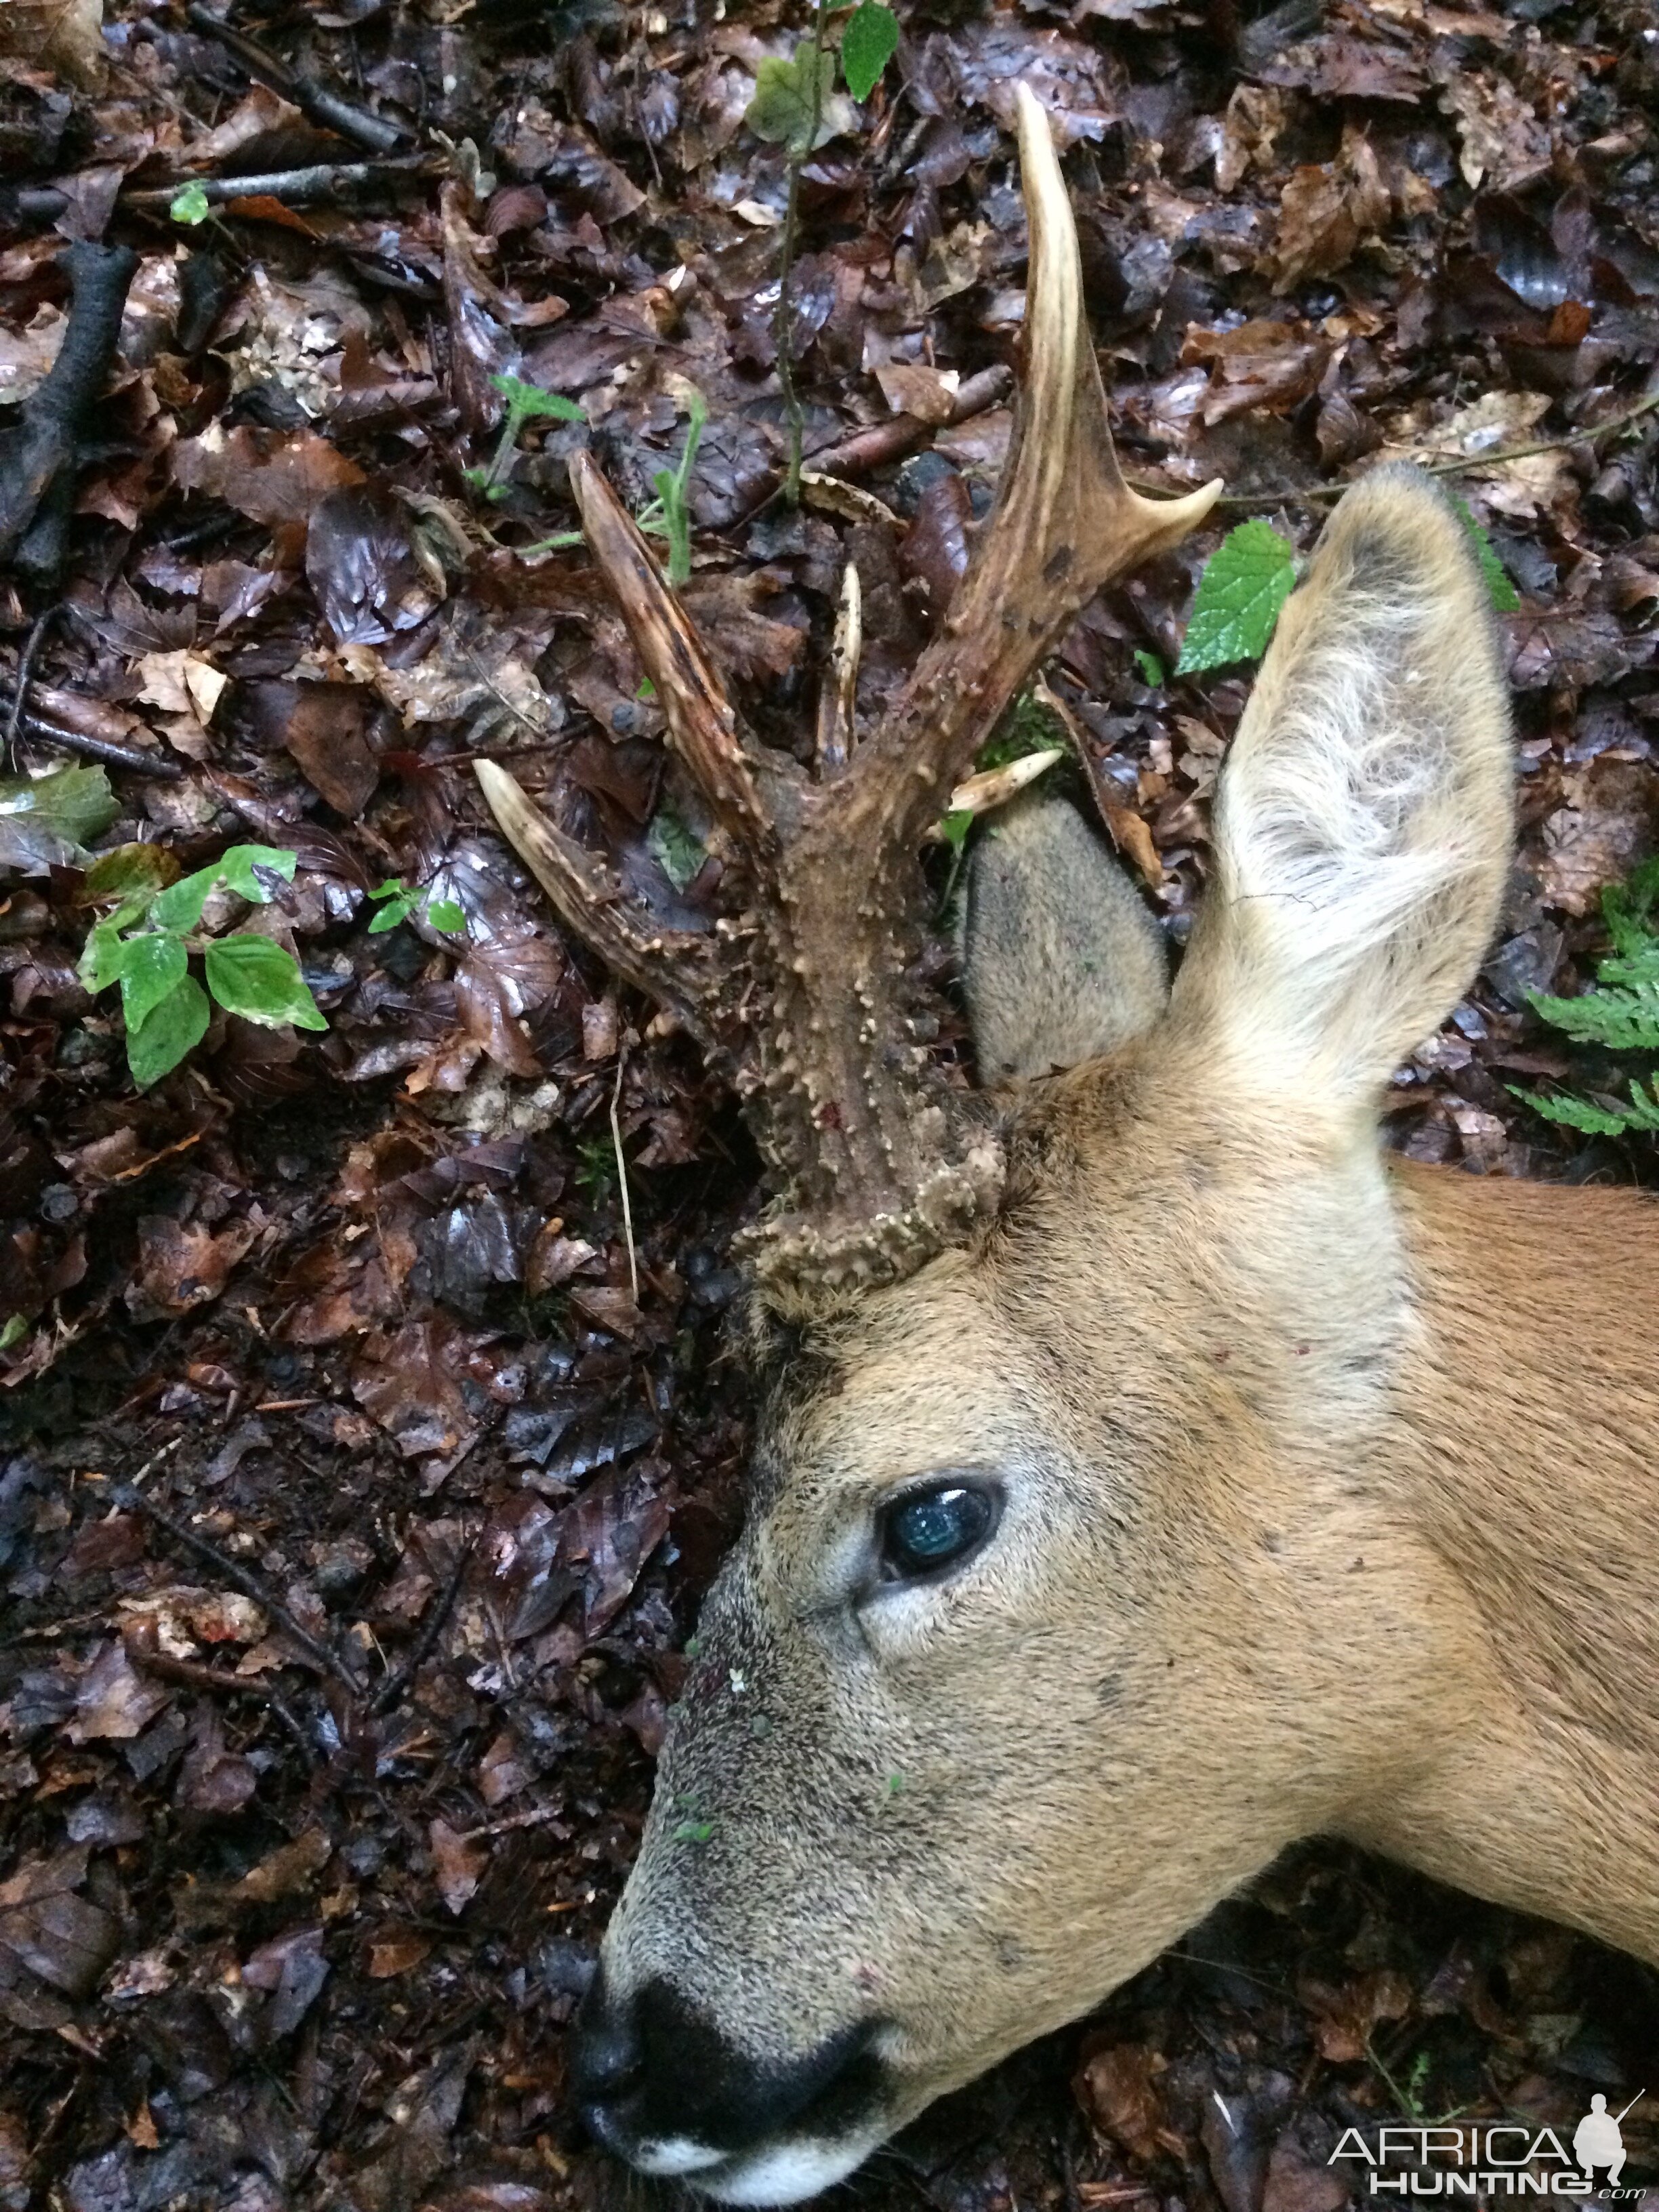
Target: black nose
{"points": [[650, 2069]]}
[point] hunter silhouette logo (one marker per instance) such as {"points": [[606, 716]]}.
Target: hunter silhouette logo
{"points": [[1596, 2140], [1501, 2159]]}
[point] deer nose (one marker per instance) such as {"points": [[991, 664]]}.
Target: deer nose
{"points": [[662, 2085]]}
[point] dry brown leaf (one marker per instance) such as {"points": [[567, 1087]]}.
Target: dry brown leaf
{"points": [[271, 477], [1505, 146], [458, 1864], [64, 35]]}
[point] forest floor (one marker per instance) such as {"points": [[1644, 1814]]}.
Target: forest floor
{"points": [[354, 1503]]}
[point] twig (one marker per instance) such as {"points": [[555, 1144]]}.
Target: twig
{"points": [[783, 317], [1470, 464], [885, 442], [40, 457], [401, 1676], [315, 100], [250, 1584], [622, 1172], [320, 181], [44, 733], [536, 1818], [215, 1681], [43, 622]]}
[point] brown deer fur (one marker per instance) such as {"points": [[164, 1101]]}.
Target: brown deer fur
{"points": [[1329, 1487]]}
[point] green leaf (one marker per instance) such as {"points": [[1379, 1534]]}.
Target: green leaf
{"points": [[243, 869], [1245, 582], [155, 962], [74, 803], [867, 44], [526, 401], [784, 110], [12, 1330], [391, 888], [396, 910], [675, 849], [1502, 593], [956, 826], [1151, 668], [168, 1032], [1579, 1114], [104, 960], [180, 907], [130, 872], [262, 982], [190, 204], [446, 915]]}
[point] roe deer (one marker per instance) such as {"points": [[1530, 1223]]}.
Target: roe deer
{"points": [[1150, 1472]]}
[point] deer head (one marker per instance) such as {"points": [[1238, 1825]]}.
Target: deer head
{"points": [[1069, 1515]]}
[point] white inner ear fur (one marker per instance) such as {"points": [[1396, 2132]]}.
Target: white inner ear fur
{"points": [[1365, 814]]}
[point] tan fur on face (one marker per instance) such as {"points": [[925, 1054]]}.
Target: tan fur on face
{"points": [[1317, 1518]]}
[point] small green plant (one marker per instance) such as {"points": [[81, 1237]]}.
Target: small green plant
{"points": [[1245, 582], [525, 403], [792, 108], [1150, 669], [13, 1330], [147, 943], [1247, 579], [676, 849], [190, 204], [668, 515], [396, 902], [1619, 1014]]}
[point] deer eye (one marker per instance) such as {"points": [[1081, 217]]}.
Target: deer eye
{"points": [[930, 1529]]}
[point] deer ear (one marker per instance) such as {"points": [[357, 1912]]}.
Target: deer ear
{"points": [[1365, 812], [1061, 961]]}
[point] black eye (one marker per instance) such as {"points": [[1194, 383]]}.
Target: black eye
{"points": [[934, 1528]]}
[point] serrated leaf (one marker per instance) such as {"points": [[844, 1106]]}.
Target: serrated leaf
{"points": [[675, 849], [784, 110], [527, 401], [1504, 596], [1246, 580], [105, 956], [261, 982], [155, 963], [867, 44], [244, 868], [1580, 1113], [443, 915], [130, 872], [168, 1032], [190, 204]]}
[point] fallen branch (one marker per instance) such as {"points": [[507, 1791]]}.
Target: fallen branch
{"points": [[320, 181], [1468, 464], [883, 443], [141, 1649], [43, 622], [400, 1677], [25, 722], [250, 1584], [40, 457], [312, 99]]}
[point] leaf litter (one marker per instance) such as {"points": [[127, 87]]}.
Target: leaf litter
{"points": [[356, 1493]]}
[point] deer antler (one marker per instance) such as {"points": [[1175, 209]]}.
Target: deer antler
{"points": [[881, 1161]]}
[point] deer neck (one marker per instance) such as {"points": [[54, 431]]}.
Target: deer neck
{"points": [[1523, 1402]]}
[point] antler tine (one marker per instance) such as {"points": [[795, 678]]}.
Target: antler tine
{"points": [[703, 725], [881, 1161], [679, 972], [1064, 523]]}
